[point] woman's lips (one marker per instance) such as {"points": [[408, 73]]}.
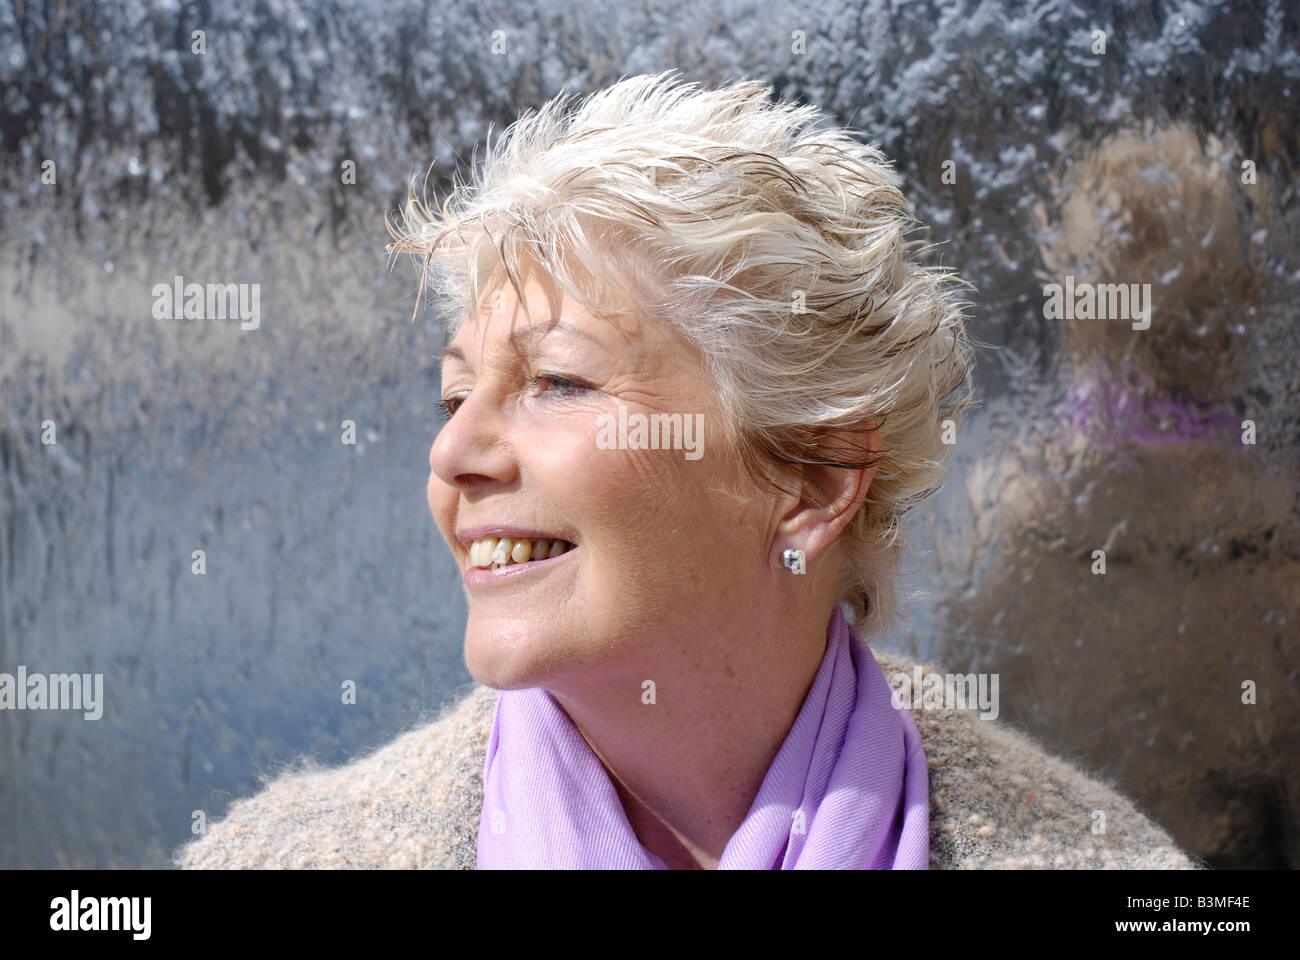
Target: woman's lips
{"points": [[486, 576]]}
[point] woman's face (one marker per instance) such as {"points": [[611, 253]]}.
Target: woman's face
{"points": [[667, 543]]}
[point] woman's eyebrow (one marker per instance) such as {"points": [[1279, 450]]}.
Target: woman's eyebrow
{"points": [[528, 336]]}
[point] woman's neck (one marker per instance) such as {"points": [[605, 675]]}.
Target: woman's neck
{"points": [[688, 763], [677, 852]]}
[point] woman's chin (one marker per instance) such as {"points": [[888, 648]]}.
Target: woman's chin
{"points": [[505, 657]]}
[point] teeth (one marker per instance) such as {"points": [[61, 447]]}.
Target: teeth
{"points": [[481, 551], [499, 552]]}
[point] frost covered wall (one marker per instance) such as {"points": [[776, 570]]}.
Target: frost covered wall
{"points": [[321, 562]]}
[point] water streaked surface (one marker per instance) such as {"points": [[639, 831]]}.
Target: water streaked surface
{"points": [[322, 563]]}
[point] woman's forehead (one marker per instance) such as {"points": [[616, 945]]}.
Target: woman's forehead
{"points": [[547, 308]]}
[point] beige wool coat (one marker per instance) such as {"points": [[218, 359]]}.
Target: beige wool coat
{"points": [[997, 800]]}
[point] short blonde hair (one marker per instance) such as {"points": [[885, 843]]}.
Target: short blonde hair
{"points": [[778, 249]]}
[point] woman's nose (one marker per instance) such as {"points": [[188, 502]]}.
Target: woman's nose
{"points": [[471, 450]]}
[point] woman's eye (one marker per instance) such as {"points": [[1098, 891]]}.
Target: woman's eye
{"points": [[543, 383], [565, 386]]}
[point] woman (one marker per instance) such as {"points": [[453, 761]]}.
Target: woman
{"points": [[693, 384], [1145, 458]]}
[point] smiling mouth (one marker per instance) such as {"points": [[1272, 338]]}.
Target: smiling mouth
{"points": [[497, 552]]}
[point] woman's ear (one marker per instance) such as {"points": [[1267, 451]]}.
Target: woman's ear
{"points": [[830, 496]]}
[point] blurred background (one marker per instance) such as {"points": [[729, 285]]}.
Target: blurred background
{"points": [[267, 149]]}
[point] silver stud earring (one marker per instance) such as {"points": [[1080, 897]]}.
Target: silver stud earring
{"points": [[793, 560]]}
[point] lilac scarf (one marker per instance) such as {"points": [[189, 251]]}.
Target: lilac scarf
{"points": [[849, 788], [1121, 414]]}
